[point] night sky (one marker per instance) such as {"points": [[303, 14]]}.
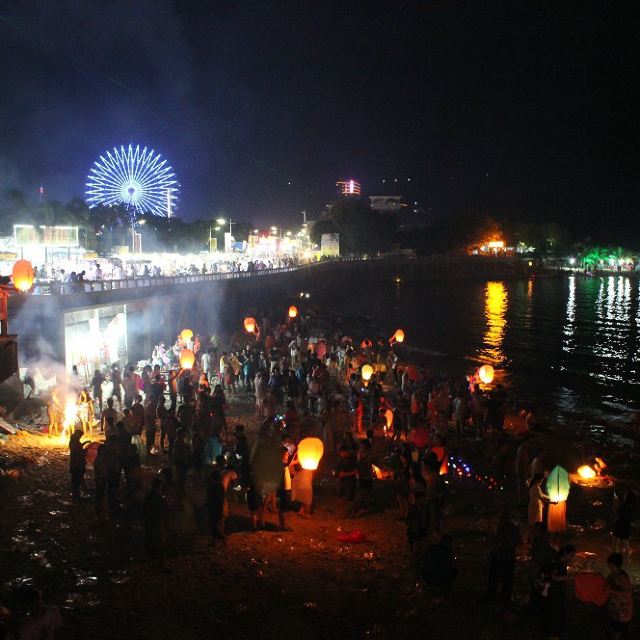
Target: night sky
{"points": [[513, 108]]}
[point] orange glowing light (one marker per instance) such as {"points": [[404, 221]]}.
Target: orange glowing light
{"points": [[486, 373], [250, 325], [22, 275], [187, 358], [398, 336], [367, 372], [310, 451], [586, 472], [293, 311], [186, 334]]}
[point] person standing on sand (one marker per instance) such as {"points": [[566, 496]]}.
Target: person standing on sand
{"points": [[96, 384], [153, 511], [502, 565], [77, 462], [622, 525], [537, 500], [553, 598], [620, 605], [523, 469], [214, 504], [227, 476]]}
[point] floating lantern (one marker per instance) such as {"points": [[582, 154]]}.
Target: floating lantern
{"points": [[388, 417], [366, 344], [310, 451], [186, 334], [293, 311], [486, 373], [22, 275], [586, 472], [398, 336], [558, 486], [250, 325], [591, 588], [367, 372], [187, 358], [420, 437]]}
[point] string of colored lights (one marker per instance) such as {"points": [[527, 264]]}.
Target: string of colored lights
{"points": [[461, 469]]}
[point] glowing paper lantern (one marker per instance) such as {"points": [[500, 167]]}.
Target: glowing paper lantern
{"points": [[486, 373], [367, 372], [310, 451], [420, 437], [558, 486], [591, 588], [586, 472], [187, 358], [250, 325], [366, 344], [22, 275], [398, 336], [186, 334], [293, 311]]}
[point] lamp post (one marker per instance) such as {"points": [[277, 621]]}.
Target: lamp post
{"points": [[222, 221]]}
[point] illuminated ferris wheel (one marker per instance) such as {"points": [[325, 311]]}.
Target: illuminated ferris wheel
{"points": [[141, 180]]}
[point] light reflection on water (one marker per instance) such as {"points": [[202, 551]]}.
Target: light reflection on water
{"points": [[495, 311], [571, 343], [597, 327]]}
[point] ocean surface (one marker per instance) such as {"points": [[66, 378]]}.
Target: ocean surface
{"points": [[570, 343]]}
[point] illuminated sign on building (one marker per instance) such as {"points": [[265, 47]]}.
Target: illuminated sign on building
{"points": [[349, 187], [27, 235]]}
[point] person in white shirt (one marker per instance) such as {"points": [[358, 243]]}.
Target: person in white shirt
{"points": [[205, 364]]}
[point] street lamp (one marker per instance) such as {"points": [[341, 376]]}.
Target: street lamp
{"points": [[222, 221]]}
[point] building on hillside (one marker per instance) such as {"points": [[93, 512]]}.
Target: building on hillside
{"points": [[407, 215]]}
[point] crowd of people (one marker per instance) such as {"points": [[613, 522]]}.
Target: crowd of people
{"points": [[401, 423], [77, 276]]}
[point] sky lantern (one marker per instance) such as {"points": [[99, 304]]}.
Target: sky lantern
{"points": [[366, 372], [187, 358], [366, 344], [558, 486], [22, 275], [186, 334], [486, 373], [398, 336], [293, 311], [250, 325], [310, 451]]}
